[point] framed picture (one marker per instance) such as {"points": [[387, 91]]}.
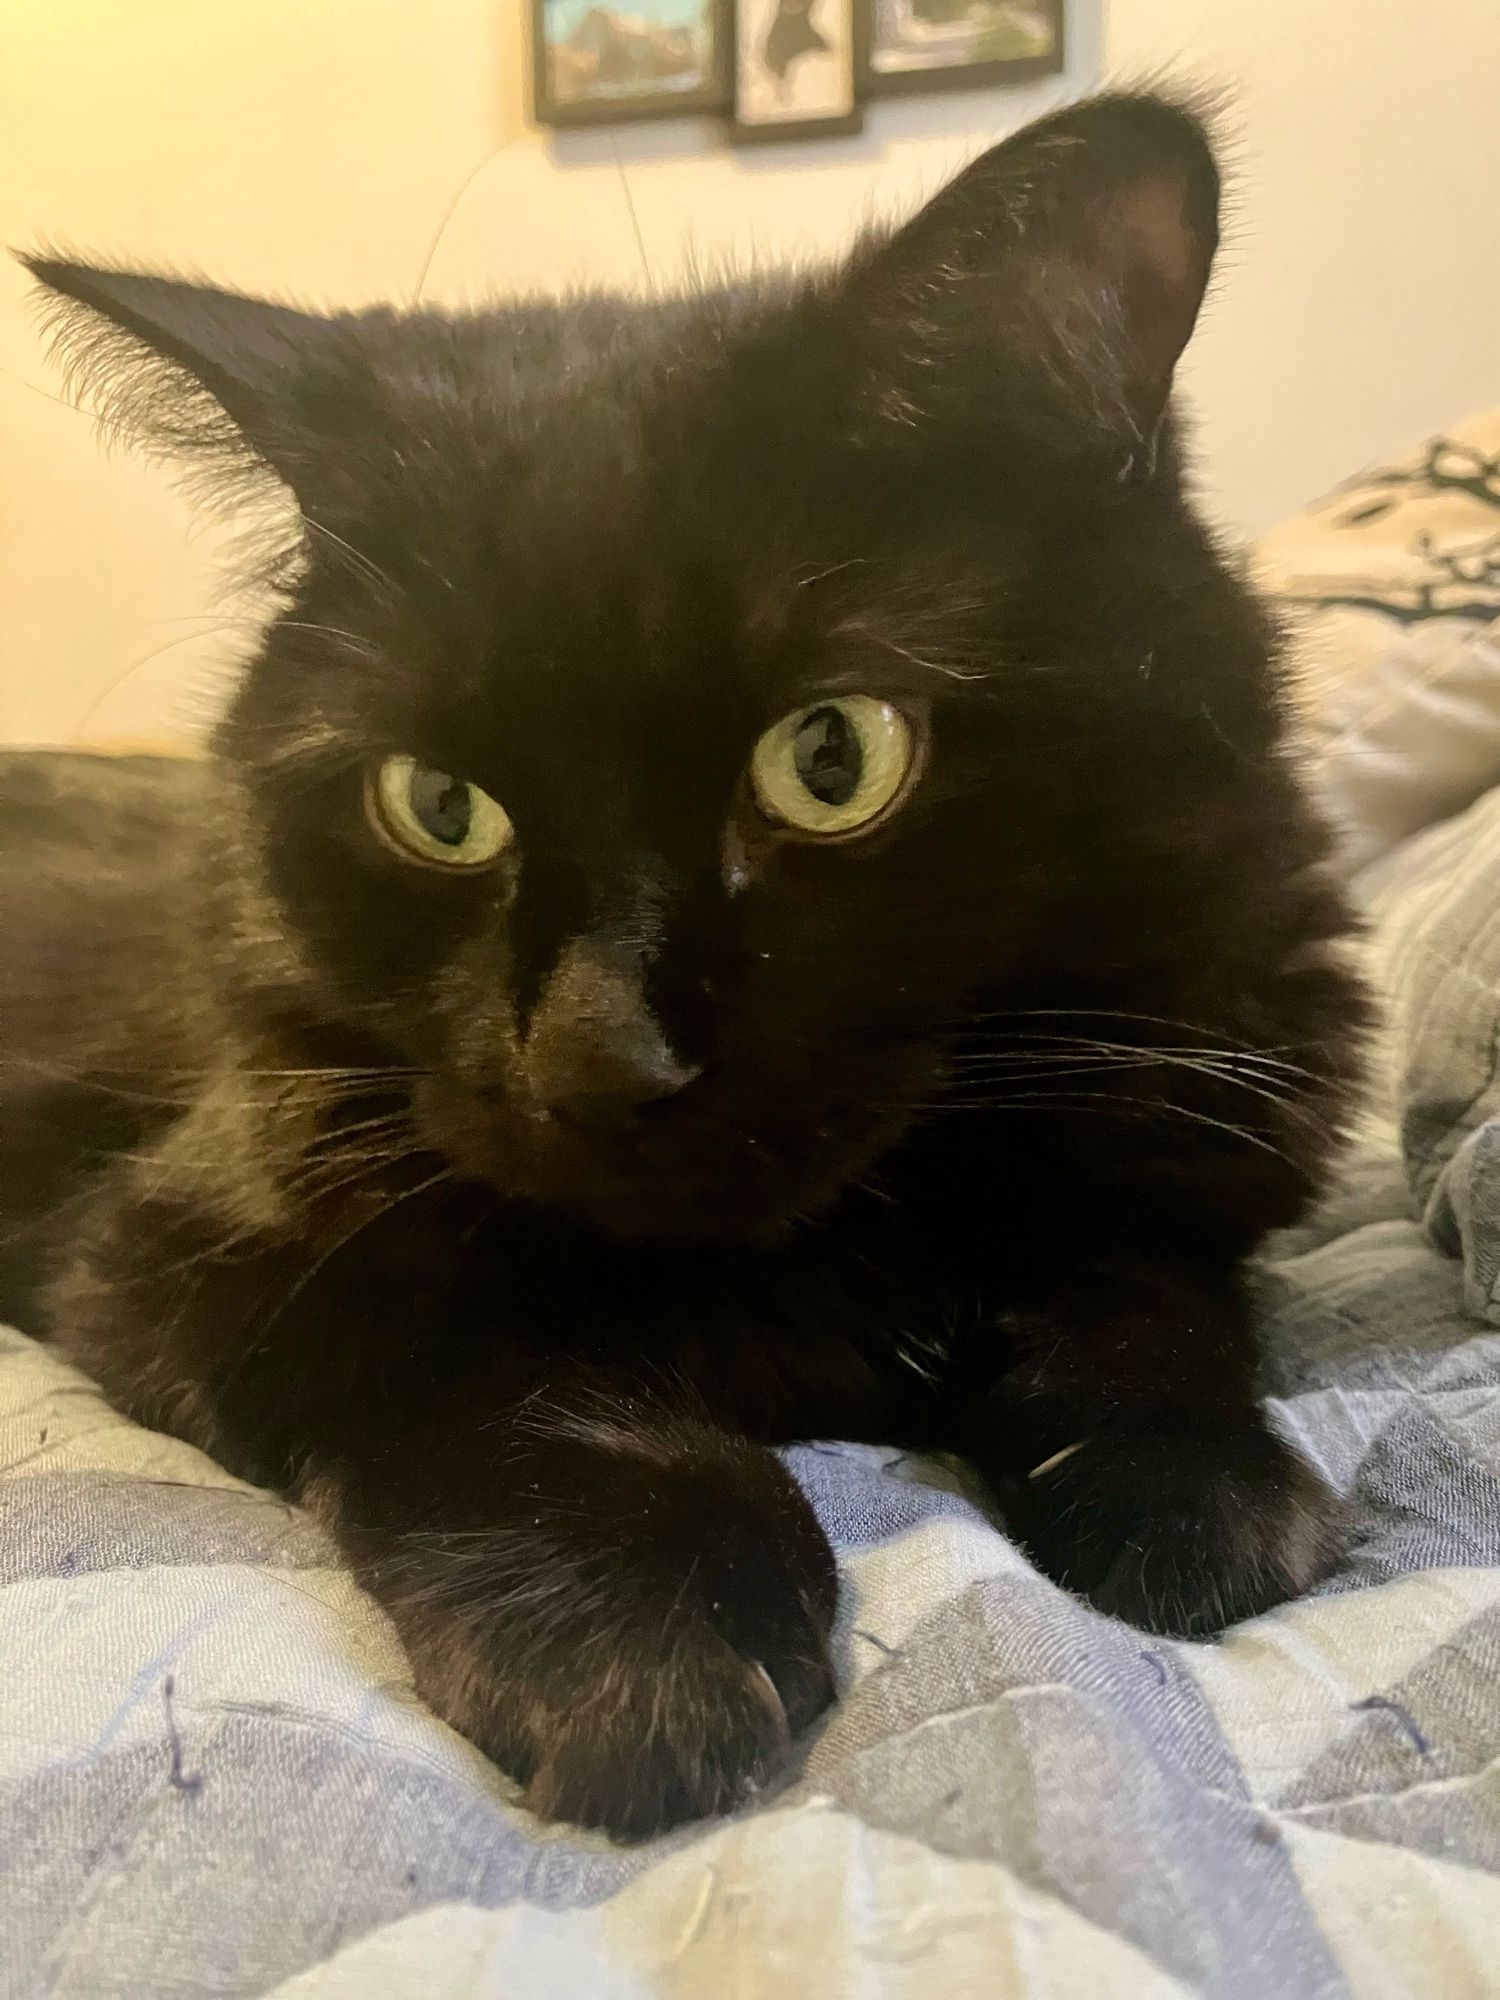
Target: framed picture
{"points": [[596, 62], [922, 45], [797, 68]]}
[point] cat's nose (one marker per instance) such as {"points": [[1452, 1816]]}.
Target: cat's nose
{"points": [[595, 1053], [615, 1077]]}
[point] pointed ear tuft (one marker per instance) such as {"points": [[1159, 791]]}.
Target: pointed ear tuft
{"points": [[1052, 286], [181, 368]]}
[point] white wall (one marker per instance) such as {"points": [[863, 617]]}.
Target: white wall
{"points": [[343, 150]]}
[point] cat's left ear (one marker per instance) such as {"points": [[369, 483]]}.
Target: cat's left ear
{"points": [[228, 383], [1049, 290]]}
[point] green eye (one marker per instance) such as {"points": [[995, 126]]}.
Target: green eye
{"points": [[430, 816], [834, 768]]}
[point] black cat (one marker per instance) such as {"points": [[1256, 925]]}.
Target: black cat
{"points": [[755, 892]]}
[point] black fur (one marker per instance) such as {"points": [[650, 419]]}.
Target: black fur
{"points": [[958, 1133]]}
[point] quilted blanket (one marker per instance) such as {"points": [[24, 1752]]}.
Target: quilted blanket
{"points": [[215, 1778]]}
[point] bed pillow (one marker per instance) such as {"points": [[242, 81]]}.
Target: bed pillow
{"points": [[1391, 591]]}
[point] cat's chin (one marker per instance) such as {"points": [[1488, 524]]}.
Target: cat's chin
{"points": [[661, 1207], [672, 1215]]}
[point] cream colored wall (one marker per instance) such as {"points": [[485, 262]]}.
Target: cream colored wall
{"points": [[1358, 301], [343, 150]]}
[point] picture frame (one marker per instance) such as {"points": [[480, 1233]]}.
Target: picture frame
{"points": [[602, 62], [919, 46], [798, 68]]}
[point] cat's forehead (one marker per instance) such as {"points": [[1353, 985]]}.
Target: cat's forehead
{"points": [[594, 522], [642, 533], [552, 345]]}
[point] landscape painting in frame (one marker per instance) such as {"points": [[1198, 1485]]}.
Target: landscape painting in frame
{"points": [[921, 45], [597, 62], [797, 68]]}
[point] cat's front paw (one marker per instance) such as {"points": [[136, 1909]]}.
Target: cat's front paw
{"points": [[673, 1727], [644, 1648], [1182, 1527]]}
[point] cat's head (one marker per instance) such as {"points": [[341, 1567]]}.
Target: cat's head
{"points": [[688, 712]]}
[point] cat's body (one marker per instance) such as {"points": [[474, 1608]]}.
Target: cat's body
{"points": [[507, 1213]]}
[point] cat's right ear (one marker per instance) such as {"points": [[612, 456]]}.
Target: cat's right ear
{"points": [[225, 383]]}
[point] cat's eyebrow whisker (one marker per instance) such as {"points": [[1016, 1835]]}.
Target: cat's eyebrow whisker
{"points": [[356, 557], [871, 1185], [948, 670], [831, 569], [866, 627], [337, 632], [211, 623]]}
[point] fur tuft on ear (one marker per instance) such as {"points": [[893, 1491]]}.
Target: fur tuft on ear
{"points": [[184, 370], [1051, 287]]}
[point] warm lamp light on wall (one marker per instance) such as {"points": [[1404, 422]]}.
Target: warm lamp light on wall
{"points": [[777, 69]]}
